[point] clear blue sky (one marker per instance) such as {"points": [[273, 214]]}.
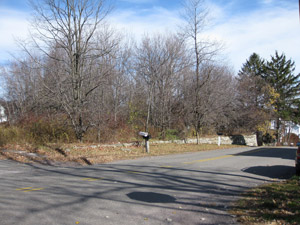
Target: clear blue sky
{"points": [[244, 26], [233, 5]]}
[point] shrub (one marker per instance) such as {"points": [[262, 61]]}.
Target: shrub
{"points": [[171, 134], [36, 131], [268, 138], [45, 131], [10, 135]]}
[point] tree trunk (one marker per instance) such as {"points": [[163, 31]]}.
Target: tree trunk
{"points": [[278, 131], [259, 138], [98, 134], [198, 137]]}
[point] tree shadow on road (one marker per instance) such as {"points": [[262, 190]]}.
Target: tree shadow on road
{"points": [[274, 172], [282, 153], [151, 197], [169, 189]]}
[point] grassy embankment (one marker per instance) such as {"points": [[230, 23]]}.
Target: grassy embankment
{"points": [[276, 203], [47, 141], [89, 154]]}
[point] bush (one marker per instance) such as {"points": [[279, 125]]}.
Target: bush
{"points": [[36, 131], [171, 134], [10, 135], [112, 132], [268, 138], [45, 131]]}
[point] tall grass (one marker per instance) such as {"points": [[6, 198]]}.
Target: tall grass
{"points": [[40, 131], [11, 134]]}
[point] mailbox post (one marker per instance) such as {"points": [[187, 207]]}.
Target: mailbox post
{"points": [[146, 136], [219, 138]]}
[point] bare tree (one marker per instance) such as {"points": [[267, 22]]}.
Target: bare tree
{"points": [[195, 16], [160, 61], [110, 101], [216, 101], [166, 84], [22, 92], [149, 59], [66, 33]]}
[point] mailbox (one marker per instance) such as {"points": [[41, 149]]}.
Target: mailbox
{"points": [[145, 135]]}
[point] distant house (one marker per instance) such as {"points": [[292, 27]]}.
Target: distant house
{"points": [[287, 127], [3, 117], [290, 127]]}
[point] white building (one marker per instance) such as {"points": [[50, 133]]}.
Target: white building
{"points": [[289, 127]]}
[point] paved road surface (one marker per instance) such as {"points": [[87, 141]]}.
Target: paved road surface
{"points": [[188, 189]]}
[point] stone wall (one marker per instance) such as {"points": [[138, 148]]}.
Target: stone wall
{"points": [[249, 140]]}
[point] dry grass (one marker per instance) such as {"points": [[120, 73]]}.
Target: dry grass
{"points": [[276, 203], [87, 155]]}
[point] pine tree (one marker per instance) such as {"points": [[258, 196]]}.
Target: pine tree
{"points": [[255, 95], [279, 73], [250, 77], [253, 67]]}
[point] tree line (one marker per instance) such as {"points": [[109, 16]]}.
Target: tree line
{"points": [[81, 71]]}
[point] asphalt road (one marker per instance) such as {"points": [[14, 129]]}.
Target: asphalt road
{"points": [[188, 189]]}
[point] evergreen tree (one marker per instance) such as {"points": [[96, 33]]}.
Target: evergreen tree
{"points": [[255, 95], [250, 77], [279, 73], [253, 67]]}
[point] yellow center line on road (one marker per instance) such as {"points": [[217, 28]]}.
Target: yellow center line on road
{"points": [[209, 159], [133, 172], [27, 189], [91, 179], [35, 189]]}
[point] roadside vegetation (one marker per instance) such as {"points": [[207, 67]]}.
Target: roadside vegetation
{"points": [[51, 141], [87, 154], [276, 203], [96, 84]]}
